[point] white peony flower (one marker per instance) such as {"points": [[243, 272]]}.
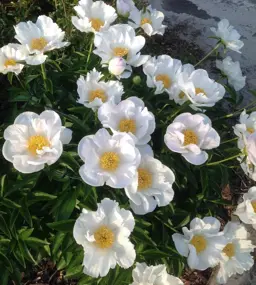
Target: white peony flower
{"points": [[190, 135], [246, 211], [179, 96], [130, 116], [35, 140], [40, 37], [248, 168], [149, 19], [251, 148], [228, 35], [93, 16], [120, 41], [162, 73], [201, 90], [124, 7], [202, 244], [93, 92], [151, 186], [246, 126], [117, 66], [108, 159], [12, 57], [153, 275], [233, 71], [236, 255], [104, 235]]}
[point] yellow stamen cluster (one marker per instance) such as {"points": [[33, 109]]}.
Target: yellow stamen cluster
{"points": [[104, 237], [229, 250], [199, 242], [96, 23], [10, 62], [120, 51], [250, 130], [144, 179], [167, 82], [109, 161], [190, 137], [37, 142], [127, 125], [200, 91], [39, 43], [145, 21], [254, 205], [98, 93]]}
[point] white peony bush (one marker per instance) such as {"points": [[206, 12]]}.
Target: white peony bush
{"points": [[123, 125]]}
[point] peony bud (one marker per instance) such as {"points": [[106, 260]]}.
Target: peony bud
{"points": [[124, 7], [117, 66], [136, 80]]}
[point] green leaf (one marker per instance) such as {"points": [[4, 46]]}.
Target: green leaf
{"points": [[25, 212], [3, 183], [63, 226], [25, 233], [67, 205], [4, 276], [74, 271], [154, 254], [42, 196], [10, 204], [34, 241], [3, 227], [57, 242], [6, 262]]}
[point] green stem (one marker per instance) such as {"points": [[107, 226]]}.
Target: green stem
{"points": [[231, 140], [224, 160], [90, 52], [44, 75], [208, 54]]}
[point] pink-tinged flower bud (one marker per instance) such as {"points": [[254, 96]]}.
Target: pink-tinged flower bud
{"points": [[117, 66]]}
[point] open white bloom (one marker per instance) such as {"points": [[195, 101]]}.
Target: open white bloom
{"points": [[11, 57], [93, 16], [151, 186], [179, 96], [124, 7], [248, 168], [108, 159], [162, 73], [190, 135], [149, 19], [35, 140], [93, 92], [129, 116], [233, 71], [153, 275], [201, 90], [120, 41], [104, 235], [202, 243], [39, 37], [145, 149], [246, 210], [246, 126], [236, 255], [228, 35]]}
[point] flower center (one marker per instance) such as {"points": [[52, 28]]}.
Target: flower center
{"points": [[10, 62], [165, 79], [39, 43], [181, 95], [199, 242], [104, 237], [98, 93], [229, 250], [96, 23], [254, 205], [190, 137], [250, 130], [144, 179], [127, 125], [37, 142], [109, 161], [200, 91], [145, 21], [120, 51]]}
